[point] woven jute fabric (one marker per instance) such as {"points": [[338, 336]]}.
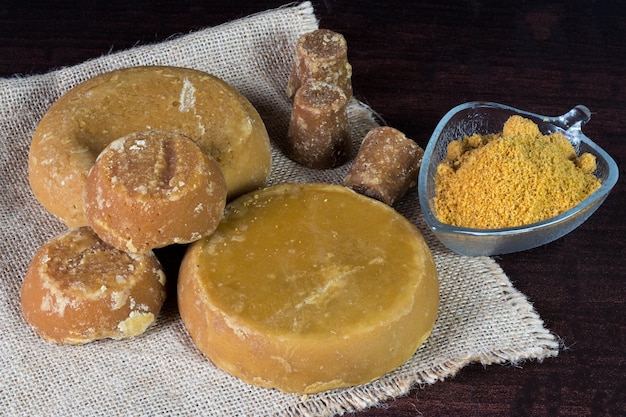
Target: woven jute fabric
{"points": [[482, 317]]}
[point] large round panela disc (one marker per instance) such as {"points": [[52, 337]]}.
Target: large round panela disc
{"points": [[78, 126], [309, 287]]}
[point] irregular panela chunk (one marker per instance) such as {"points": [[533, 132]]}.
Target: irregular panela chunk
{"points": [[319, 132], [321, 55], [386, 165]]}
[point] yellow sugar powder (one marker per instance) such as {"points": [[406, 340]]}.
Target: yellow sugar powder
{"points": [[512, 178]]}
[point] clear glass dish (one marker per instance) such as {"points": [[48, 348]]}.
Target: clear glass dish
{"points": [[483, 118]]}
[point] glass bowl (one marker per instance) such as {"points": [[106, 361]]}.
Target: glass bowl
{"points": [[483, 118]]}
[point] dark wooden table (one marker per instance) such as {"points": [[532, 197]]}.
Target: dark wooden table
{"points": [[413, 61]]}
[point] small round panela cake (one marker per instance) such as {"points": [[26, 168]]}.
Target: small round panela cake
{"points": [[152, 189], [78, 289], [78, 126], [309, 287]]}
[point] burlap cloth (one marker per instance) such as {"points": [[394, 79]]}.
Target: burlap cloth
{"points": [[482, 317]]}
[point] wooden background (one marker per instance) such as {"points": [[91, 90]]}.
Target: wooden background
{"points": [[413, 61]]}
